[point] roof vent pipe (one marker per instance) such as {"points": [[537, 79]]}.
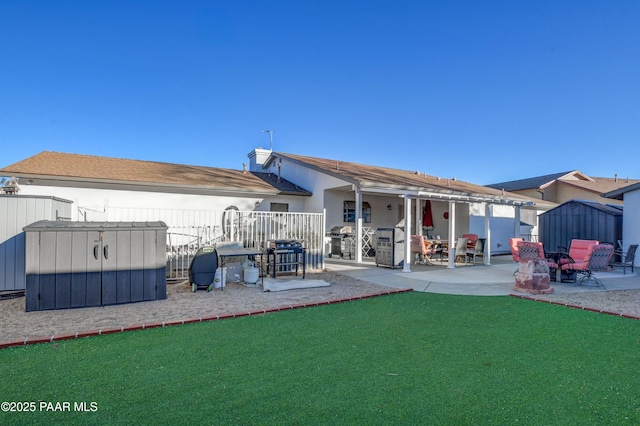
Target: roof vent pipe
{"points": [[244, 168], [615, 177], [279, 167]]}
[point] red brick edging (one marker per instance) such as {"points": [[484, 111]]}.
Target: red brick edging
{"points": [[571, 305], [88, 333]]}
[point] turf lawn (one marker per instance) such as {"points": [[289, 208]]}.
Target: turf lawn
{"points": [[411, 358]]}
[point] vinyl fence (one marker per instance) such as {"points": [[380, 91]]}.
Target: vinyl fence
{"points": [[188, 230]]}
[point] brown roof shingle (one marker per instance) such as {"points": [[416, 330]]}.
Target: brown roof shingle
{"points": [[78, 167], [375, 176]]}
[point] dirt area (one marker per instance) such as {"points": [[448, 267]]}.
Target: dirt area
{"points": [[620, 302], [181, 304]]}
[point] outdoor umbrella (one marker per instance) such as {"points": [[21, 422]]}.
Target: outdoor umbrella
{"points": [[427, 216]]}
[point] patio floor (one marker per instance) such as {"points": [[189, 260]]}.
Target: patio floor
{"points": [[480, 280]]}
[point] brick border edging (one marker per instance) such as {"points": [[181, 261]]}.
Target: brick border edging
{"points": [[571, 305], [99, 332]]}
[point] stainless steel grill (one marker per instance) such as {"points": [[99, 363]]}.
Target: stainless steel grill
{"points": [[343, 241]]}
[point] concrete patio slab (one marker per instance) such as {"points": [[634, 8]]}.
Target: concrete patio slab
{"points": [[480, 280]]}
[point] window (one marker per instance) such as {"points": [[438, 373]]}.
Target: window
{"points": [[349, 212], [280, 207]]}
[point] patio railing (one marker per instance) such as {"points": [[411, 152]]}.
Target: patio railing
{"points": [[188, 230]]}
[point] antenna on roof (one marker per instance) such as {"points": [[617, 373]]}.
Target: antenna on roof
{"points": [[270, 138]]}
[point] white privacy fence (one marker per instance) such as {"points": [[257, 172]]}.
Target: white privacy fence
{"points": [[188, 230]]}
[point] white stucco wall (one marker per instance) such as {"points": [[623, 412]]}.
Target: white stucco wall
{"points": [[631, 219], [94, 201]]}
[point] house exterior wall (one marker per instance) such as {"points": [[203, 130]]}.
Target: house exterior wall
{"points": [[306, 178], [630, 221], [567, 193], [91, 204], [500, 224]]}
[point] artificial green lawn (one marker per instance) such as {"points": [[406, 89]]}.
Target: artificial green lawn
{"points": [[411, 358]]}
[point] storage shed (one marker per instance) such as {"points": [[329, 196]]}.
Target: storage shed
{"points": [[16, 212], [80, 264], [580, 219]]}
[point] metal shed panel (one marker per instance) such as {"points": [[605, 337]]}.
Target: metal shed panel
{"points": [[16, 212], [582, 220]]}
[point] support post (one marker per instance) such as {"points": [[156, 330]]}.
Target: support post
{"points": [[407, 234], [452, 235]]}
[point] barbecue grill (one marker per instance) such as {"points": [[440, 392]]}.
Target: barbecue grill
{"points": [[343, 241], [284, 255]]}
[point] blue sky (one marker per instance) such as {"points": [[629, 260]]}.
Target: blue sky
{"points": [[484, 91]]}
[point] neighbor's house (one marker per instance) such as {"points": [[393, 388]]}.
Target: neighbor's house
{"points": [[560, 188], [371, 197], [630, 194]]}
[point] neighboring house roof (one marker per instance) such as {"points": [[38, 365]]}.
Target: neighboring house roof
{"points": [[618, 194], [382, 179], [601, 185], [536, 182], [575, 178], [148, 175]]}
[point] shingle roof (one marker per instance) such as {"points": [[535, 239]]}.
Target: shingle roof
{"points": [[88, 168], [528, 183], [598, 185], [367, 176], [601, 185]]}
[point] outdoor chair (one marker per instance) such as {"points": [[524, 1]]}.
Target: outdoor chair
{"points": [[596, 260], [534, 250], [461, 250], [422, 249], [478, 251], [626, 259], [472, 242], [513, 244], [578, 251]]}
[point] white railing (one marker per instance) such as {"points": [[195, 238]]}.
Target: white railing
{"points": [[188, 230]]}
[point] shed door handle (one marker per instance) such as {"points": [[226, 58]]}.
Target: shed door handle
{"points": [[106, 251], [96, 250]]}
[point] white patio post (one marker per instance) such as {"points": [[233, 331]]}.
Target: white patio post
{"points": [[407, 234], [487, 229], [516, 221], [358, 226], [452, 235], [418, 221]]}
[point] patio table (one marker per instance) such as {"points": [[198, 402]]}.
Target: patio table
{"points": [[225, 252]]}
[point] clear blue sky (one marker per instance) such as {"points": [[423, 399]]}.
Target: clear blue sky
{"points": [[484, 91]]}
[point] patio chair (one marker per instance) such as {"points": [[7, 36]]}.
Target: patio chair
{"points": [[578, 251], [535, 250], [478, 251], [626, 259], [461, 249], [422, 249], [472, 242], [513, 244], [596, 260]]}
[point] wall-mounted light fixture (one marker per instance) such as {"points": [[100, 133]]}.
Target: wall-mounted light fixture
{"points": [[389, 207]]}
